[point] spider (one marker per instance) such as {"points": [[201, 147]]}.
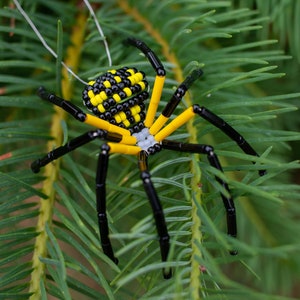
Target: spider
{"points": [[116, 100]]}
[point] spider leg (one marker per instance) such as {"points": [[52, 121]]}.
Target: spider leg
{"points": [[214, 161], [102, 167], [81, 116], [228, 130], [175, 100], [157, 211], [203, 112], [159, 79], [152, 57], [100, 176], [72, 145]]}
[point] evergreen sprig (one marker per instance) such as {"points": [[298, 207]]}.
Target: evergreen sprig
{"points": [[49, 232]]}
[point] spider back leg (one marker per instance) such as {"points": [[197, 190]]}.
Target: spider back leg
{"points": [[81, 116], [72, 145], [214, 162], [157, 211]]}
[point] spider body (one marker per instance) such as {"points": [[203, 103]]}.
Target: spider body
{"points": [[117, 100]]}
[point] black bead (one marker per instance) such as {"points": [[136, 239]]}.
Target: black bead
{"points": [[114, 88], [108, 92], [119, 107], [125, 105], [107, 115], [111, 101], [131, 120], [105, 104], [122, 95], [113, 111]]}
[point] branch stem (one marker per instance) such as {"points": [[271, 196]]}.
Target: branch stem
{"points": [[195, 283], [51, 171]]}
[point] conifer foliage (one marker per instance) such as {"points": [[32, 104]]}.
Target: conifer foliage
{"points": [[49, 241]]}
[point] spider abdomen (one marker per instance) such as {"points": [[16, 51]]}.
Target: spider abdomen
{"points": [[117, 96]]}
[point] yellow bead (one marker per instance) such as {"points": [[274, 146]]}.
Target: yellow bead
{"points": [[128, 139], [124, 149], [117, 79], [122, 115], [117, 118], [101, 108], [158, 124], [131, 71], [138, 108], [102, 124], [126, 123], [116, 97], [127, 91], [139, 76], [133, 110], [98, 99], [91, 82], [132, 80], [154, 101], [94, 101], [107, 84], [103, 95], [142, 85], [91, 94], [180, 120], [137, 118]]}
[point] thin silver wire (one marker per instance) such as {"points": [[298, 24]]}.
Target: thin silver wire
{"points": [[100, 31], [53, 53]]}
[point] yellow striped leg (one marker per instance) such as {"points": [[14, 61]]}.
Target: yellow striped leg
{"points": [[175, 124], [154, 101]]}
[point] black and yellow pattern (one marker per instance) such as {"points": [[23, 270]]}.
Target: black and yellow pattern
{"points": [[117, 97]]}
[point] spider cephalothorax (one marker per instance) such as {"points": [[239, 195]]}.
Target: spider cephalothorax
{"points": [[117, 100]]}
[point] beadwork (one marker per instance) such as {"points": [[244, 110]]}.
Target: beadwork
{"points": [[117, 101]]}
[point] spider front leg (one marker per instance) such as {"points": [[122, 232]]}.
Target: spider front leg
{"points": [[228, 130], [212, 118], [160, 134], [159, 79], [157, 211]]}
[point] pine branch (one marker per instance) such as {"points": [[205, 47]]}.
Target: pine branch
{"points": [[195, 285], [283, 19], [51, 172], [185, 35]]}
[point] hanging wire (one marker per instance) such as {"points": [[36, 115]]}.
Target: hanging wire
{"points": [[36, 31], [54, 54], [100, 31]]}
